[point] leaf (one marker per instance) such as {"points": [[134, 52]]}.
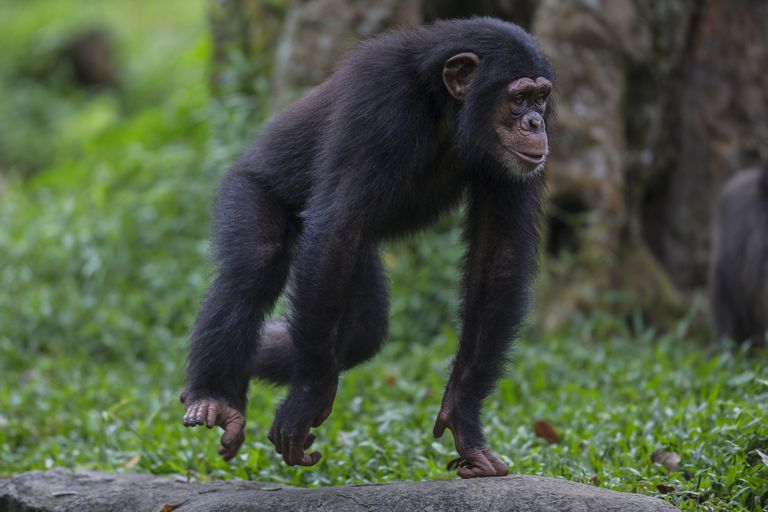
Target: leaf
{"points": [[170, 507], [546, 431], [763, 456], [132, 461], [669, 460]]}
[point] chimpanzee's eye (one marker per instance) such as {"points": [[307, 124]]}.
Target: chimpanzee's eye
{"points": [[518, 100]]}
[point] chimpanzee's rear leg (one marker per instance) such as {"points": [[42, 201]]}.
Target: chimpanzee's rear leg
{"points": [[252, 240], [364, 324], [360, 332], [358, 337]]}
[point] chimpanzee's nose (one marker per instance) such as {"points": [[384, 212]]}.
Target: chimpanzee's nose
{"points": [[532, 122]]}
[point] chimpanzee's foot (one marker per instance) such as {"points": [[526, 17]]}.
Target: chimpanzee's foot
{"points": [[305, 406], [475, 459], [213, 412]]}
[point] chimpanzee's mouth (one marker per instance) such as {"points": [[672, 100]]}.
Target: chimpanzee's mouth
{"points": [[533, 158]]}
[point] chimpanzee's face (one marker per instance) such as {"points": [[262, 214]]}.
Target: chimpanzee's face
{"points": [[521, 136]]}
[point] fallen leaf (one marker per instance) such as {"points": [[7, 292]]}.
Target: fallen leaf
{"points": [[669, 460], [665, 489], [132, 461], [595, 481], [546, 431], [170, 507]]}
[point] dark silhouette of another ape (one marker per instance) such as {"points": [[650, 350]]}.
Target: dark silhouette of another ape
{"points": [[739, 270], [410, 123]]}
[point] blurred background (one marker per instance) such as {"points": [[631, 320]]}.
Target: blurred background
{"points": [[118, 117]]}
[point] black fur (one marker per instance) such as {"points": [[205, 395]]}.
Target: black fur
{"points": [[739, 270], [764, 181], [377, 151]]}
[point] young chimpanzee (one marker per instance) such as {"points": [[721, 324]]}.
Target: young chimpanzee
{"points": [[739, 269], [410, 123]]}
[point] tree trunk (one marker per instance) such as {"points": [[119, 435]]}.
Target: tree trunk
{"points": [[715, 122], [244, 34], [658, 102]]}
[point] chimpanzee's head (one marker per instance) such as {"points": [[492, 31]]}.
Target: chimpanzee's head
{"points": [[504, 101]]}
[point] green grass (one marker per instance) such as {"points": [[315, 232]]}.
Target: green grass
{"points": [[103, 260], [613, 398]]}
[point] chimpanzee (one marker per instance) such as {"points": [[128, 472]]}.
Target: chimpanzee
{"points": [[409, 124], [739, 270]]}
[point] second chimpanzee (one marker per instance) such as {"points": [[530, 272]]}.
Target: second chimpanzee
{"points": [[739, 263], [408, 125]]}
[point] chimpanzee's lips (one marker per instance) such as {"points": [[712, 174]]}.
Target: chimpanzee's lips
{"points": [[533, 158]]}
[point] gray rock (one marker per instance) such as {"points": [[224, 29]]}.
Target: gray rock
{"points": [[91, 491]]}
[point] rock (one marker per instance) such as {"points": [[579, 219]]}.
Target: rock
{"points": [[61, 490]]}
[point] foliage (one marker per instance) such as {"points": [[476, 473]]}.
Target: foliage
{"points": [[423, 281], [103, 259], [43, 117]]}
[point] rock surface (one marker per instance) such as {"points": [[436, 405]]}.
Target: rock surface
{"points": [[90, 491]]}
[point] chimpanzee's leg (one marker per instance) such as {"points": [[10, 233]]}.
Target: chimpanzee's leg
{"points": [[330, 310], [252, 240], [364, 324], [360, 333]]}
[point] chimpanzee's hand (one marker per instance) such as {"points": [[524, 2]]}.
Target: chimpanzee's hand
{"points": [[475, 459], [307, 405], [215, 412]]}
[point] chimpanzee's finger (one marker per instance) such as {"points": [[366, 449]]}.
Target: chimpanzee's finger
{"points": [[310, 439], [232, 439], [273, 438], [201, 413], [297, 457], [285, 448], [476, 467], [498, 465], [190, 415], [481, 463], [211, 418]]}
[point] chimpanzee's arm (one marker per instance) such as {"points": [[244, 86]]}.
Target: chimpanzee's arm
{"points": [[500, 264], [327, 253]]}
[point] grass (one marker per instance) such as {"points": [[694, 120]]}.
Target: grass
{"points": [[103, 260], [613, 397]]}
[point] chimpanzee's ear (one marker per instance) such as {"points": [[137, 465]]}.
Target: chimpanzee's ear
{"points": [[458, 72]]}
